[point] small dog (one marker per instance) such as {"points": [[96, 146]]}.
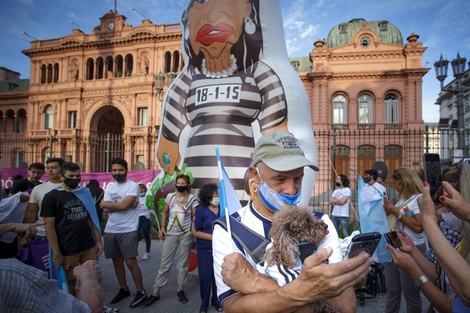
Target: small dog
{"points": [[290, 226]]}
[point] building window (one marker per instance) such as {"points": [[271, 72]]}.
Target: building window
{"points": [[21, 121], [143, 116], [365, 109], [73, 119], [49, 117], [56, 73], [295, 65], [341, 160], [119, 65], [129, 65], [167, 61], [99, 68], [340, 106], [43, 74], [19, 158], [392, 157], [176, 61], [90, 66], [365, 42], [49, 73], [109, 67], [383, 25], [391, 108]]}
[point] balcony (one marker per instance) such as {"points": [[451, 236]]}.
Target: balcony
{"points": [[366, 126]]}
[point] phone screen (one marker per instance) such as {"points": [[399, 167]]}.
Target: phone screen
{"points": [[432, 171]]}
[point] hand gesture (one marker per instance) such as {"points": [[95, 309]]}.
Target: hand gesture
{"points": [[407, 243]]}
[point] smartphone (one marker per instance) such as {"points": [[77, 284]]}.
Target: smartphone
{"points": [[392, 239], [432, 171], [364, 242]]}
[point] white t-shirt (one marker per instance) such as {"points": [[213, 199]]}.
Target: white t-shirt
{"points": [[36, 197], [412, 204], [122, 221], [142, 208], [222, 245], [341, 210]]}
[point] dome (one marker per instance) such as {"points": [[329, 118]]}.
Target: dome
{"points": [[343, 33]]}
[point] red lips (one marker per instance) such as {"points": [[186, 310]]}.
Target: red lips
{"points": [[210, 34]]}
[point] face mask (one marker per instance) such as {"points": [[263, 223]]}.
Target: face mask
{"points": [[215, 201], [120, 177], [142, 194], [338, 184], [181, 188], [452, 221], [275, 200], [367, 179], [72, 182]]}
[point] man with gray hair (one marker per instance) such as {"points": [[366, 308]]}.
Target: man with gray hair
{"points": [[277, 169]]}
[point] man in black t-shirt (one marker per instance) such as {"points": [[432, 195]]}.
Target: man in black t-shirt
{"points": [[35, 172], [69, 229]]}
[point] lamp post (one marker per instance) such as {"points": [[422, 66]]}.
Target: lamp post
{"points": [[458, 67]]}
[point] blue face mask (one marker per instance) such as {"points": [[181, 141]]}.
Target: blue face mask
{"points": [[275, 200]]}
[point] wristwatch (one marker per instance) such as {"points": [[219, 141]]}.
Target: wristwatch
{"points": [[420, 281], [399, 215]]}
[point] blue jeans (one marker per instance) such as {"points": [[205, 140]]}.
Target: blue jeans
{"points": [[344, 221], [144, 226]]}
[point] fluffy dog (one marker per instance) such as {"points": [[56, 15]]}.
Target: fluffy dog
{"points": [[290, 226]]}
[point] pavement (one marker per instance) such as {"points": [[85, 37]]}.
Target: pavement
{"points": [[168, 300]]}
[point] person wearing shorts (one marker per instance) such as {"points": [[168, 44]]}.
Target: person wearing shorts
{"points": [[120, 234]]}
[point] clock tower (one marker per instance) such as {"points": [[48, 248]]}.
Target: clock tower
{"points": [[111, 25]]}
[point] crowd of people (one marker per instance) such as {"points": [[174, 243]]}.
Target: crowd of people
{"points": [[231, 276]]}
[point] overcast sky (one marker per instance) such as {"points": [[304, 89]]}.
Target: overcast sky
{"points": [[443, 26]]}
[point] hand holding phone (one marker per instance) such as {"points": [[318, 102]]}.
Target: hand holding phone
{"points": [[364, 242], [432, 171], [393, 240]]}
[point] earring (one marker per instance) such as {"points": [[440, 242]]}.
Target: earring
{"points": [[250, 27], [186, 32], [255, 189]]}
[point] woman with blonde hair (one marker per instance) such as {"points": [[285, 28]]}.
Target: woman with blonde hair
{"points": [[446, 283], [410, 187]]}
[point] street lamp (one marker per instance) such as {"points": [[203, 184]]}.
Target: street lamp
{"points": [[159, 82], [458, 67]]}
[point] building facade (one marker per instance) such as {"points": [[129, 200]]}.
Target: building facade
{"points": [[93, 96]]}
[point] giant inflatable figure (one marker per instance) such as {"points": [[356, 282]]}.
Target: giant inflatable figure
{"points": [[237, 84]]}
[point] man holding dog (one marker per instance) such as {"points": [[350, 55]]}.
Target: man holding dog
{"points": [[277, 169]]}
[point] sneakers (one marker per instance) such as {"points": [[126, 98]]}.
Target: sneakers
{"points": [[145, 256], [149, 301], [123, 293], [107, 309], [140, 297], [182, 296]]}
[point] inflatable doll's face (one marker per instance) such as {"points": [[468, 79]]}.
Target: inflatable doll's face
{"points": [[215, 25]]}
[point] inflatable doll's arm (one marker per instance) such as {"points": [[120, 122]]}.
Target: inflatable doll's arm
{"points": [[168, 155]]}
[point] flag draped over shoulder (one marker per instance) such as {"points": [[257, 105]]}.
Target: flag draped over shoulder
{"points": [[229, 202], [372, 217]]}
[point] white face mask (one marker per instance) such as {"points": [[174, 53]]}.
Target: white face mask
{"points": [[142, 194], [215, 201], [452, 221], [276, 200]]}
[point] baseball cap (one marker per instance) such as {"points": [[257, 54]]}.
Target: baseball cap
{"points": [[281, 152]]}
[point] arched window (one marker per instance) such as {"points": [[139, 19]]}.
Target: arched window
{"points": [[21, 121], [99, 68], [340, 106], [365, 109], [392, 157], [119, 66], [391, 109], [56, 73], [129, 65], [1, 122], [167, 62], [49, 73], [48, 122], [89, 69], [109, 67], [365, 158], [176, 61], [43, 74]]}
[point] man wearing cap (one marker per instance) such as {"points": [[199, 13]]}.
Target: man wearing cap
{"points": [[277, 169]]}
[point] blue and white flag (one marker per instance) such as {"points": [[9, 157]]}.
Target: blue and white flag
{"points": [[229, 202], [372, 217]]}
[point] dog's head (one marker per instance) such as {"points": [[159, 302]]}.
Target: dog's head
{"points": [[290, 226]]}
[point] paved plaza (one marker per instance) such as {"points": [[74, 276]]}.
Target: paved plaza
{"points": [[168, 300]]}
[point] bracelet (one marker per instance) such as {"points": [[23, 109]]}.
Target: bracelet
{"points": [[420, 281], [400, 215]]}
